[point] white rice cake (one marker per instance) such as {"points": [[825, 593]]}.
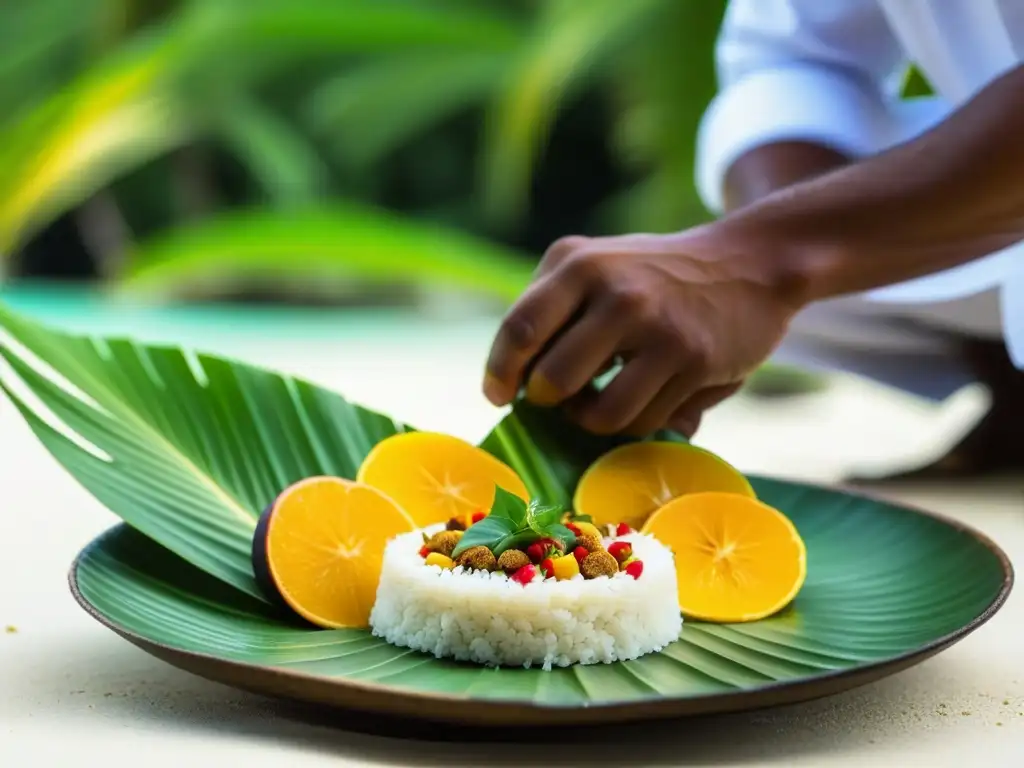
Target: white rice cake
{"points": [[486, 618]]}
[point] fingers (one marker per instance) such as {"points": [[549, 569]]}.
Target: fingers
{"points": [[661, 408], [538, 315], [625, 398], [577, 357], [533, 322], [687, 417]]}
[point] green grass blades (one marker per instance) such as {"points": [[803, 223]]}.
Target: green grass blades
{"points": [[192, 447]]}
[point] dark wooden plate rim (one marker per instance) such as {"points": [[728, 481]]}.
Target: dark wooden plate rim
{"points": [[374, 698]]}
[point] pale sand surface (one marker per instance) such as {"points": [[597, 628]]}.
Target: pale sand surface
{"points": [[73, 693]]}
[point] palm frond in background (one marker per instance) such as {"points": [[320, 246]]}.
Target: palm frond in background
{"points": [[433, 143]]}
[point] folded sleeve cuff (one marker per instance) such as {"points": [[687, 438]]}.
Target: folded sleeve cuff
{"points": [[791, 103]]}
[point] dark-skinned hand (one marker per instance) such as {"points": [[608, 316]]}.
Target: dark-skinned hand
{"points": [[688, 315]]}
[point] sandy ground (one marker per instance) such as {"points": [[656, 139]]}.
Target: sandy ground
{"points": [[73, 693]]}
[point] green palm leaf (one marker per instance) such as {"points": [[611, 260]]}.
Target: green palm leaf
{"points": [[186, 449], [883, 583], [664, 87], [240, 27], [340, 239], [371, 110], [29, 35], [160, 88], [283, 161], [549, 452], [569, 41], [115, 116], [194, 446]]}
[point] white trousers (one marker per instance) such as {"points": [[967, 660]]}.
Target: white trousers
{"points": [[913, 347]]}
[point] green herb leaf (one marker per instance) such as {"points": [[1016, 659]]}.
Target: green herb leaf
{"points": [[508, 506], [516, 540], [487, 533], [513, 524], [583, 519], [561, 534], [540, 518]]}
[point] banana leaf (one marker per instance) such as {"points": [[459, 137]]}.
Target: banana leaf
{"points": [[188, 448], [549, 452]]}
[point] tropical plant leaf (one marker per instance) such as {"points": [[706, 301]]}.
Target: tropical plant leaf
{"points": [[373, 109], [29, 35], [186, 449], [193, 447], [549, 452], [283, 161], [340, 239], [663, 88], [160, 88], [115, 116], [569, 40], [236, 27]]}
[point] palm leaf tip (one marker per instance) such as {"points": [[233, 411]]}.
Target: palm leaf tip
{"points": [[188, 460]]}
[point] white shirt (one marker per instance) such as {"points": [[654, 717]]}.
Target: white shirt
{"points": [[830, 71]]}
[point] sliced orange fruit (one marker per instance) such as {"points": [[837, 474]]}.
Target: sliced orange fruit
{"points": [[630, 482], [435, 477], [320, 545], [737, 559]]}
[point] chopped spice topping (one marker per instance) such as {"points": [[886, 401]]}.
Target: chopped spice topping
{"points": [[599, 564], [512, 560], [444, 542], [478, 559], [590, 542]]}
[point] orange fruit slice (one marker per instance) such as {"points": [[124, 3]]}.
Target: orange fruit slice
{"points": [[435, 477], [627, 484], [320, 545], [737, 559]]}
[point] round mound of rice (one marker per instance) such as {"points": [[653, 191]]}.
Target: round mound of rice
{"points": [[486, 618]]}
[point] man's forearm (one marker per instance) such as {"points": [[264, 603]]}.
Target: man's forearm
{"points": [[771, 167], [951, 196]]}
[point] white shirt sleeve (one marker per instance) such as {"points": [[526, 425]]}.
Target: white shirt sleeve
{"points": [[797, 70]]}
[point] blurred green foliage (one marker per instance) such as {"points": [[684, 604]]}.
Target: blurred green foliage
{"points": [[433, 141]]}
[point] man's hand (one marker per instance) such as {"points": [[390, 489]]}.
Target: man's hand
{"points": [[689, 315]]}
